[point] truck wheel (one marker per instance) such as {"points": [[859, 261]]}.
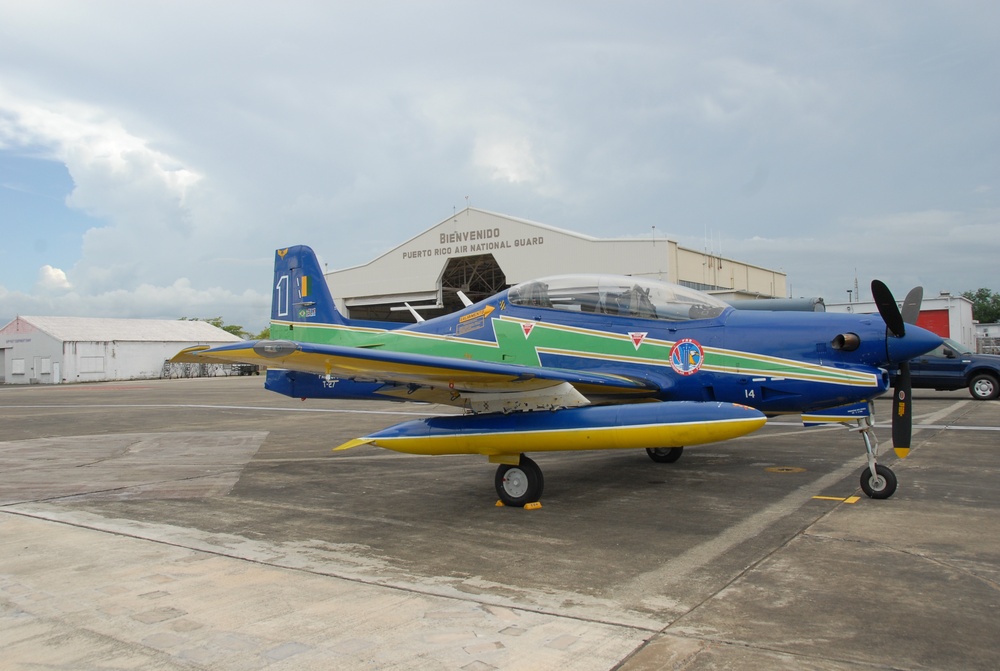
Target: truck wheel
{"points": [[984, 387]]}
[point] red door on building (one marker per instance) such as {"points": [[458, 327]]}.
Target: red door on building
{"points": [[935, 321]]}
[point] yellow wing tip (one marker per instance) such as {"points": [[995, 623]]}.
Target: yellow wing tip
{"points": [[190, 354]]}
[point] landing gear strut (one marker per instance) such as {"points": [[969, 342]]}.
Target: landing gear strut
{"points": [[877, 481], [521, 484]]}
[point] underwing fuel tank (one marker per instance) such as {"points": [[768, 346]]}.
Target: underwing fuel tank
{"points": [[642, 425]]}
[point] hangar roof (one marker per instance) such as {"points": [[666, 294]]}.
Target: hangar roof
{"points": [[95, 329]]}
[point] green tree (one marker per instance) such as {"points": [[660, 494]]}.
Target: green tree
{"points": [[985, 305]]}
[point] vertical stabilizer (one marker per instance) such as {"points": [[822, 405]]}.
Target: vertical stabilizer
{"points": [[300, 292]]}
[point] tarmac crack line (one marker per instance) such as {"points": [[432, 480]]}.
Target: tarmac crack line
{"points": [[110, 457], [74, 495], [679, 569], [822, 660], [992, 584], [409, 589]]}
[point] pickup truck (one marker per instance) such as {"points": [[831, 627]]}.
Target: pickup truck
{"points": [[954, 366]]}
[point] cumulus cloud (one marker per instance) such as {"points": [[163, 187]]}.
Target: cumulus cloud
{"points": [[248, 308], [106, 161], [804, 137], [141, 199], [140, 194], [52, 280], [509, 160]]}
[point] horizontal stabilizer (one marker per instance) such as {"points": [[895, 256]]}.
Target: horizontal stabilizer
{"points": [[193, 355]]}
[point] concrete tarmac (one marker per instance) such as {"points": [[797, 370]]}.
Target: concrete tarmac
{"points": [[206, 524]]}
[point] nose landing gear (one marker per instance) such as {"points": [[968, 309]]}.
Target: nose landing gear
{"points": [[877, 481]]}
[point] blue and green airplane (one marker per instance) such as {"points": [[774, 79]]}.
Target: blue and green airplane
{"points": [[588, 362]]}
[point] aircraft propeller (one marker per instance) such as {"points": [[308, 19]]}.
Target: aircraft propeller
{"points": [[895, 321]]}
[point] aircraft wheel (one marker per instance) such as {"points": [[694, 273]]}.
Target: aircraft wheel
{"points": [[882, 485], [521, 484], [664, 455]]}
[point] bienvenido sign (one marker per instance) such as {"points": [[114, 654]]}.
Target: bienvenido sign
{"points": [[472, 242]]}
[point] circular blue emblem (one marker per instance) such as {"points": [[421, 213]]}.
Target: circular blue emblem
{"points": [[686, 356]]}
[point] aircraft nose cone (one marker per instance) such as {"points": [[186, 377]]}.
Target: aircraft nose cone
{"points": [[916, 342]]}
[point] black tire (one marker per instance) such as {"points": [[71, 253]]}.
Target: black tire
{"points": [[664, 455], [881, 487], [984, 387], [521, 484]]}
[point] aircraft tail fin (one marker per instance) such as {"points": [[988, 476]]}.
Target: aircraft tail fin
{"points": [[300, 292]]}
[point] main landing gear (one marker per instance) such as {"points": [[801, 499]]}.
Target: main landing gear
{"points": [[521, 484], [877, 481], [664, 455]]}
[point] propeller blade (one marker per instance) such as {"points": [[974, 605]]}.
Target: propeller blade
{"points": [[902, 412], [895, 321], [911, 305], [888, 309]]}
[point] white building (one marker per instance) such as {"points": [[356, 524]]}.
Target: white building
{"points": [[988, 330], [481, 253], [53, 350], [988, 338], [946, 315]]}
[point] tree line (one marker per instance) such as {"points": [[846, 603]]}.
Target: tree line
{"points": [[235, 329], [985, 305]]}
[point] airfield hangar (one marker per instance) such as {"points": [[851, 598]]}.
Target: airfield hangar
{"points": [[54, 350], [480, 253]]}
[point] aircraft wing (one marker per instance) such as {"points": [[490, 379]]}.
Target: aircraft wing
{"points": [[459, 377]]}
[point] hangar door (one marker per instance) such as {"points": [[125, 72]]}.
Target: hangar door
{"points": [[478, 277]]}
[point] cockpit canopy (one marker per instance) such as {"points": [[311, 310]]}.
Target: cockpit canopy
{"points": [[617, 295]]}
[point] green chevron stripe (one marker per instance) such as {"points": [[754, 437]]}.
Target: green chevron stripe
{"points": [[513, 346]]}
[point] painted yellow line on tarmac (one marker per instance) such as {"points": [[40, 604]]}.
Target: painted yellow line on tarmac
{"points": [[849, 499]]}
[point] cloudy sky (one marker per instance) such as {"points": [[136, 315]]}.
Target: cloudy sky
{"points": [[154, 154]]}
